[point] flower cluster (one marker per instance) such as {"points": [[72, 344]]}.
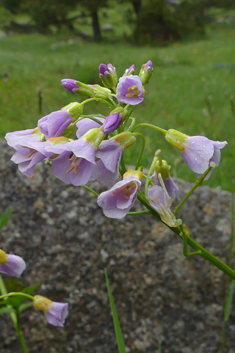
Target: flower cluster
{"points": [[55, 312], [81, 147]]}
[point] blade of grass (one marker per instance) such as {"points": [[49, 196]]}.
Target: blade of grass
{"points": [[229, 284], [159, 347], [117, 327]]}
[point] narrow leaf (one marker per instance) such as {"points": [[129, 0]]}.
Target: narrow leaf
{"points": [[6, 310], [25, 306], [117, 327], [229, 299], [5, 216], [16, 301], [159, 347]]}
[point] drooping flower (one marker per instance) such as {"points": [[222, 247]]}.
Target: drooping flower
{"points": [[54, 124], [130, 71], [108, 75], [108, 157], [73, 160], [197, 151], [11, 265], [117, 201], [111, 123], [55, 312], [158, 199], [161, 170], [30, 149], [130, 90], [86, 124], [146, 72]]}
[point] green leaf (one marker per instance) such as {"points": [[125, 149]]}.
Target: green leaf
{"points": [[6, 310], [25, 306], [229, 300], [159, 347], [117, 327], [5, 216], [16, 301], [13, 285]]}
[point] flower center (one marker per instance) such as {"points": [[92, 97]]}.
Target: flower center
{"points": [[133, 92], [74, 164], [126, 190]]}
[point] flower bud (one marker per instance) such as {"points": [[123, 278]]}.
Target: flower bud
{"points": [[111, 123], [176, 138], [162, 167], [146, 72], [74, 110], [11, 265], [108, 75], [125, 139], [101, 92], [129, 71], [77, 87]]}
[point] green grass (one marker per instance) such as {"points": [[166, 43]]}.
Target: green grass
{"points": [[184, 74]]}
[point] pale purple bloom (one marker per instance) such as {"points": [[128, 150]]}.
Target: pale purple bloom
{"points": [[117, 201], [105, 70], [11, 265], [130, 70], [86, 124], [29, 149], [111, 123], [130, 90], [70, 84], [199, 151], [54, 124], [74, 162], [159, 201], [57, 313], [108, 157], [170, 185], [146, 72]]}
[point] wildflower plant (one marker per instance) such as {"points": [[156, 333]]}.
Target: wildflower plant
{"points": [[80, 148]]}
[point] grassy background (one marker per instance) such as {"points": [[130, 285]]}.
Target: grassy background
{"points": [[184, 75]]}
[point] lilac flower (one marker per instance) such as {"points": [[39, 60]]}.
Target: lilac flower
{"points": [[108, 75], [111, 123], [130, 90], [158, 199], [130, 70], [55, 312], [117, 201], [197, 151], [86, 124], [73, 165], [70, 85], [54, 124], [30, 149], [169, 183], [11, 265], [146, 72]]}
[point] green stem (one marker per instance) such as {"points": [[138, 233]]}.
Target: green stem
{"points": [[142, 148], [206, 254], [122, 167], [154, 127], [21, 336], [148, 176], [98, 99], [197, 183], [3, 290], [137, 213], [91, 190], [16, 293]]}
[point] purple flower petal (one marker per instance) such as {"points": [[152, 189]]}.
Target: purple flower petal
{"points": [[14, 266], [87, 124], [57, 313], [130, 90]]}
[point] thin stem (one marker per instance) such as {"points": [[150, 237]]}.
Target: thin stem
{"points": [[206, 254], [16, 293], [149, 173], [91, 190], [197, 183], [100, 100], [3, 290], [21, 336], [154, 127], [142, 148], [137, 213], [122, 167], [91, 117]]}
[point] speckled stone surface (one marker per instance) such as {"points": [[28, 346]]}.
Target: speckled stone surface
{"points": [[160, 295]]}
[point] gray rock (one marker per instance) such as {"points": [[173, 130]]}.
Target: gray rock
{"points": [[159, 294]]}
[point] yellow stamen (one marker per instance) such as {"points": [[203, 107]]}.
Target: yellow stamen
{"points": [[133, 92]]}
